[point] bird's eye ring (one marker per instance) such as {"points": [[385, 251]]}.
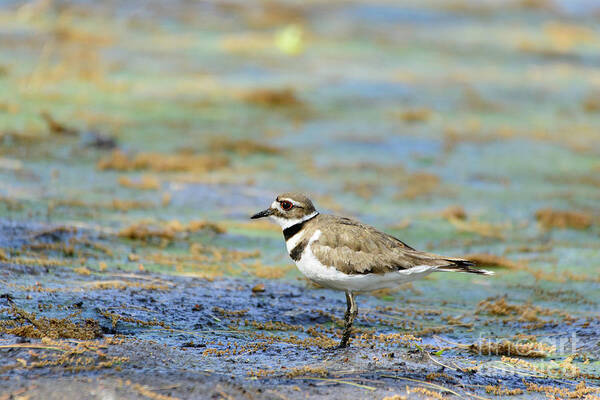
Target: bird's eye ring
{"points": [[286, 205]]}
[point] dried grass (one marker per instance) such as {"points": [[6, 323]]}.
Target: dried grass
{"points": [[508, 348], [159, 162], [28, 325], [416, 115], [285, 97], [146, 182], [262, 271], [242, 147], [550, 218], [362, 189], [426, 393], [116, 318], [306, 370], [168, 231], [454, 212], [500, 391], [150, 394], [591, 103], [582, 391], [419, 184], [480, 228]]}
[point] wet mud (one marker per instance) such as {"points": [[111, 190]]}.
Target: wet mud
{"points": [[136, 138], [182, 337]]}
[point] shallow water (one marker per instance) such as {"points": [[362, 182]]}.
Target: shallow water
{"points": [[390, 113]]}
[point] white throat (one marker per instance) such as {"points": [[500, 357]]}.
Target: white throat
{"points": [[286, 223]]}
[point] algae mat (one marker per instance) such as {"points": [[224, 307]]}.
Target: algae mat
{"points": [[137, 138]]}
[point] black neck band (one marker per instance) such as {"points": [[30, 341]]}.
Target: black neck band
{"points": [[292, 230]]}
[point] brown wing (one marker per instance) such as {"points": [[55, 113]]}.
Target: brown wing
{"points": [[355, 248]]}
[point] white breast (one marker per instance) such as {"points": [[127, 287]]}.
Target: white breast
{"points": [[293, 241], [330, 277]]}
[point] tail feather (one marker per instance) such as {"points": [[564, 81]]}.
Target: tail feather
{"points": [[459, 265]]}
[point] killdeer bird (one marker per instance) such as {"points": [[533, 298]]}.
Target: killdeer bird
{"points": [[343, 254]]}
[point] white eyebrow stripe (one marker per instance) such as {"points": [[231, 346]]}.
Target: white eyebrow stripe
{"points": [[294, 202]]}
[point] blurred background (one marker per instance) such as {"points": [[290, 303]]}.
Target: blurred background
{"points": [[153, 129]]}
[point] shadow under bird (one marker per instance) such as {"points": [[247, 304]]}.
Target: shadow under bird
{"points": [[343, 254]]}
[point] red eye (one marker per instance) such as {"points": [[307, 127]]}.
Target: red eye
{"points": [[286, 205]]}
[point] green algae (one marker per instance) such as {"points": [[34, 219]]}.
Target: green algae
{"points": [[508, 130]]}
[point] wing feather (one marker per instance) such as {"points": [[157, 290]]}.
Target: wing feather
{"points": [[355, 248]]}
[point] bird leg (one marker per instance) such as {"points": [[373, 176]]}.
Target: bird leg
{"points": [[351, 311]]}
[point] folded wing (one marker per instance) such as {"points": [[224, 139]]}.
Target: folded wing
{"points": [[355, 248]]}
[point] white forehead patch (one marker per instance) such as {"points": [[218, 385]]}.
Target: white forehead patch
{"points": [[276, 205]]}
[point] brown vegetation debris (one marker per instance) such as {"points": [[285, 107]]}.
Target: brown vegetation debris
{"points": [[167, 231], [165, 199], [82, 271], [122, 285], [203, 261], [194, 226], [550, 218], [242, 147], [126, 205], [149, 393], [9, 203], [498, 307], [500, 391], [114, 204], [436, 375], [85, 355], [230, 313], [261, 373], [480, 228], [521, 313], [146, 182], [364, 190], [582, 391], [159, 162], [55, 233], [491, 261], [416, 115], [285, 97], [39, 261], [591, 103], [57, 127], [454, 212], [419, 184], [306, 370], [273, 326], [395, 338], [115, 318], [267, 15], [29, 325], [508, 348], [267, 272], [429, 394], [475, 101]]}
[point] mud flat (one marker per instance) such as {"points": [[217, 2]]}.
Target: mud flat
{"points": [[135, 145]]}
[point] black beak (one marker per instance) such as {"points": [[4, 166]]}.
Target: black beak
{"points": [[262, 214]]}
